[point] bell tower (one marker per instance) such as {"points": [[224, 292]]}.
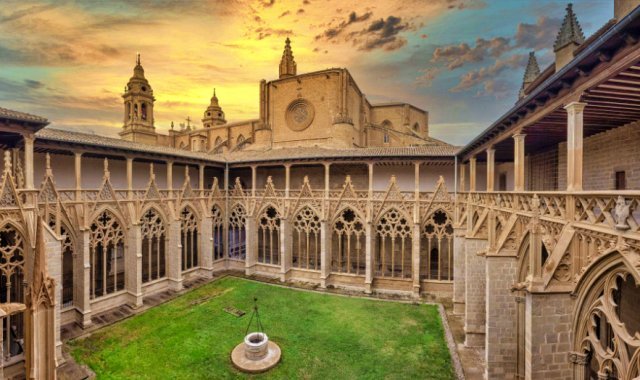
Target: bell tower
{"points": [[287, 64], [213, 115], [138, 108]]}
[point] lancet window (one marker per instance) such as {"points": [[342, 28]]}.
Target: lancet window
{"points": [[393, 243], [106, 247], [12, 286], [237, 233], [348, 244], [154, 238], [218, 233], [436, 247], [189, 234], [306, 239], [269, 236]]}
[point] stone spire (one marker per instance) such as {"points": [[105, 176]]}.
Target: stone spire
{"points": [[138, 108], [570, 31], [287, 64], [530, 74], [213, 115]]}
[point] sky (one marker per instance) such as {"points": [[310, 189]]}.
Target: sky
{"points": [[461, 60]]}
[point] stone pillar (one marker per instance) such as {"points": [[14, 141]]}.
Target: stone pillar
{"points": [[458, 269], [579, 363], [502, 316], [174, 255], [327, 172], [28, 161], [82, 279], [225, 225], [325, 252], [206, 247], [252, 245], [368, 276], [130, 177], [462, 185], [518, 162], [475, 295], [491, 165], [415, 238], [133, 262], [575, 125], [548, 336], [287, 179], [77, 160], [201, 177], [286, 241], [472, 174], [254, 170]]}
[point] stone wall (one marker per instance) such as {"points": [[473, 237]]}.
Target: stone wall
{"points": [[541, 171], [475, 296], [459, 274]]}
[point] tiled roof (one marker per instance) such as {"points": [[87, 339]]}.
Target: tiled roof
{"points": [[21, 116]]}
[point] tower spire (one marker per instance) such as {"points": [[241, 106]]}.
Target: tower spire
{"points": [[570, 31], [137, 58], [531, 73], [288, 66]]}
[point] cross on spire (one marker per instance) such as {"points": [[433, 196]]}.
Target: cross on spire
{"points": [[137, 58]]}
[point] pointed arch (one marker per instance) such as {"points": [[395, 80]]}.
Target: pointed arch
{"points": [[237, 232], [154, 240], [189, 238], [393, 244], [269, 235], [306, 238], [68, 250], [13, 251], [348, 242], [107, 253], [436, 246], [217, 222]]}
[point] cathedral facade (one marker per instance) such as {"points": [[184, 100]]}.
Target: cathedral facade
{"points": [[531, 230]]}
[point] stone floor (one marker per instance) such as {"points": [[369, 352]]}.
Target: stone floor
{"points": [[472, 359]]}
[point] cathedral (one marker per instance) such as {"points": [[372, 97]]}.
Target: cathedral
{"points": [[531, 231]]}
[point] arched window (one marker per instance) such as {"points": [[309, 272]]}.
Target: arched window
{"points": [[416, 127], [269, 237], [135, 111], [189, 228], [67, 267], [237, 233], [306, 239], [436, 247], [153, 246], [347, 244], [106, 246], [127, 111], [12, 256], [386, 138], [217, 148], [218, 230], [143, 111], [240, 140], [393, 253]]}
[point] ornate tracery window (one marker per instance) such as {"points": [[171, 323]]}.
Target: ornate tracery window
{"points": [[610, 330], [393, 243], [67, 267], [189, 234], [347, 244], [436, 247], [153, 246], [12, 286], [218, 233], [269, 236], [306, 239], [237, 233], [106, 247]]}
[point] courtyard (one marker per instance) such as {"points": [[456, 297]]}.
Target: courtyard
{"points": [[321, 336]]}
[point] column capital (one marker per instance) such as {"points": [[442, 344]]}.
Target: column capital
{"points": [[519, 135], [326, 164], [287, 165], [575, 106], [473, 158], [491, 150]]}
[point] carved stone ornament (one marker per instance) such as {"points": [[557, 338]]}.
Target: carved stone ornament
{"points": [[299, 115], [622, 213]]}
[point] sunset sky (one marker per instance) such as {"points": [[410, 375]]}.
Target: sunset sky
{"points": [[462, 61]]}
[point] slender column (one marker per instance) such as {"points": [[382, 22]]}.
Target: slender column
{"points": [[254, 170], [579, 363], [82, 281], [491, 165], [206, 245], [130, 177], [201, 177], [174, 255], [462, 185], [472, 174], [518, 162], [368, 277], [252, 245], [370, 181], [325, 250], [133, 262], [415, 239], [78, 170], [327, 171], [286, 259], [575, 126], [225, 225], [28, 161], [169, 175], [287, 179]]}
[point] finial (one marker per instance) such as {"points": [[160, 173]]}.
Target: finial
{"points": [[152, 175], [393, 178], [106, 168], [7, 162], [214, 92], [172, 125], [47, 163], [269, 180], [305, 179], [186, 173], [287, 41], [137, 58]]}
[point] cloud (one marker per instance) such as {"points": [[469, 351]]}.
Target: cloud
{"points": [[263, 33], [33, 83], [540, 35], [427, 77], [486, 75], [456, 56], [333, 32]]}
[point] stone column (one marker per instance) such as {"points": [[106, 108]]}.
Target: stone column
{"points": [[472, 174], [169, 175], [82, 280], [287, 179], [415, 238], [174, 255], [254, 170], [129, 177], [502, 316], [286, 258], [459, 269], [491, 165], [368, 276], [28, 161], [475, 294], [225, 225], [252, 245], [325, 252], [206, 245], [77, 159], [518, 162], [579, 363], [133, 262], [575, 126], [462, 185], [327, 172], [201, 177]]}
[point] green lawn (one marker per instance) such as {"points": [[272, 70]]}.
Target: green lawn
{"points": [[322, 336]]}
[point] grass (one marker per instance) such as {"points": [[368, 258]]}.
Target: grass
{"points": [[322, 336]]}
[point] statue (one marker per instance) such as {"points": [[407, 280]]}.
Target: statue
{"points": [[622, 213]]}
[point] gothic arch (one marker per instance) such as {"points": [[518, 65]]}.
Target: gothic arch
{"points": [[393, 232], [348, 242], [13, 252], [110, 209], [154, 240], [268, 222], [359, 214], [68, 251], [306, 238], [107, 253], [436, 246], [606, 323], [189, 228], [237, 220], [217, 230]]}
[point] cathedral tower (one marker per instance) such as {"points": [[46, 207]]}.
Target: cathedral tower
{"points": [[287, 64], [213, 115], [138, 108]]}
